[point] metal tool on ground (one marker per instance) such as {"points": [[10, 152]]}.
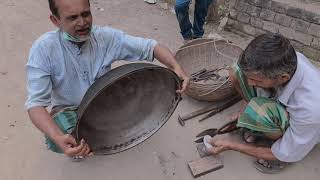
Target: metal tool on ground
{"points": [[205, 74], [226, 128], [198, 73], [213, 109], [182, 119], [222, 107]]}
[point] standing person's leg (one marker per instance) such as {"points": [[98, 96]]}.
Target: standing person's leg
{"points": [[200, 13], [182, 13]]}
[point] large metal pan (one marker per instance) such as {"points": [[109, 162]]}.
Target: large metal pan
{"points": [[126, 106]]}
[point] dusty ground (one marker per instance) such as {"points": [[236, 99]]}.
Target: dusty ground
{"points": [[164, 156]]}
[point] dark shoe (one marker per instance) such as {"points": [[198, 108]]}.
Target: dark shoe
{"points": [[270, 167]]}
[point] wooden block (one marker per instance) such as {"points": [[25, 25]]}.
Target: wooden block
{"points": [[205, 165]]}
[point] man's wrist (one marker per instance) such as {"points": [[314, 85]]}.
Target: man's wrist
{"points": [[57, 137], [232, 145]]}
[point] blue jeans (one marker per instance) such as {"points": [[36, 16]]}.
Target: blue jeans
{"points": [[182, 11]]}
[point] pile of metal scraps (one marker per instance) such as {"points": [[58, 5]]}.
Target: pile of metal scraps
{"points": [[210, 76]]}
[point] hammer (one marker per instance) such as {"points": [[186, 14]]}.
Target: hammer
{"points": [[223, 106], [182, 119], [215, 108]]}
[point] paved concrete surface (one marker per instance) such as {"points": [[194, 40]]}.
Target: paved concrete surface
{"points": [[163, 156]]}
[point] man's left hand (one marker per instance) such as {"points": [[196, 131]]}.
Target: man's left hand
{"points": [[185, 79], [164, 56]]}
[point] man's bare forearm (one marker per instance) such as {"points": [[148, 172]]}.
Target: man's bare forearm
{"points": [[256, 151], [42, 120], [164, 55]]}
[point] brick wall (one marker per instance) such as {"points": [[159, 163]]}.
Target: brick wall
{"points": [[255, 17]]}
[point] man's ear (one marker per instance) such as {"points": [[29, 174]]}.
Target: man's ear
{"points": [[284, 78], [55, 20]]}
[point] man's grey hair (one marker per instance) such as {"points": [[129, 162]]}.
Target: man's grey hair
{"points": [[270, 55]]}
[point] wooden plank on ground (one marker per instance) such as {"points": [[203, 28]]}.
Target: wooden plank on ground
{"points": [[205, 165]]}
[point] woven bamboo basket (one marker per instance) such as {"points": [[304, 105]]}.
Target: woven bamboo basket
{"points": [[210, 54]]}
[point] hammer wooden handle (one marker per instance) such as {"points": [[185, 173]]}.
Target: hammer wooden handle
{"points": [[216, 107], [198, 112]]}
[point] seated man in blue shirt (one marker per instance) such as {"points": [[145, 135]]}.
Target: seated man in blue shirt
{"points": [[281, 90], [64, 63]]}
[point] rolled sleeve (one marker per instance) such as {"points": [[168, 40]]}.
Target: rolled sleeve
{"points": [[39, 85], [297, 142]]}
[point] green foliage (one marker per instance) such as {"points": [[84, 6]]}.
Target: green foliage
{"points": [[223, 9]]}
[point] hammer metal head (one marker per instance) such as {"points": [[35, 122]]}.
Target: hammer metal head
{"points": [[180, 120]]}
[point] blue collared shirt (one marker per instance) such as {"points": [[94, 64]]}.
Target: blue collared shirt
{"points": [[59, 72]]}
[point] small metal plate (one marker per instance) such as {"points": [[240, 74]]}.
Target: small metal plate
{"points": [[126, 106]]}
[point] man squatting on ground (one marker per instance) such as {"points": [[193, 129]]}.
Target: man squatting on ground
{"points": [[64, 63], [281, 88]]}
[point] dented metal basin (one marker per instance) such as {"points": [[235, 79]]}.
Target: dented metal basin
{"points": [[126, 106]]}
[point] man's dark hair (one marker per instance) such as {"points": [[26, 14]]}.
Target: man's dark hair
{"points": [[54, 8], [269, 54]]}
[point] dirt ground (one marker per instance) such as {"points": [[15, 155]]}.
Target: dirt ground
{"points": [[163, 156]]}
